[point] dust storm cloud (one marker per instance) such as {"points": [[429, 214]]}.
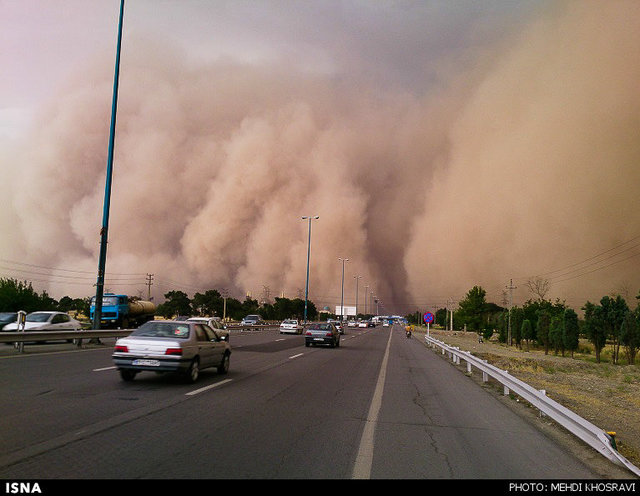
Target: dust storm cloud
{"points": [[518, 157]]}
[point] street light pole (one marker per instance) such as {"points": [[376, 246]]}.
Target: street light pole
{"points": [[306, 291], [97, 312], [357, 278], [343, 260]]}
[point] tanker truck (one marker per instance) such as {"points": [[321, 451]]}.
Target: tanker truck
{"points": [[122, 311]]}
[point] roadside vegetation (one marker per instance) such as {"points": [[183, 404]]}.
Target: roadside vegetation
{"points": [[611, 327]]}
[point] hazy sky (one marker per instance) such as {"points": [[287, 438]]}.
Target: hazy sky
{"points": [[444, 144]]}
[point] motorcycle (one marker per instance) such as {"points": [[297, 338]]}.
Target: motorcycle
{"points": [[408, 334]]}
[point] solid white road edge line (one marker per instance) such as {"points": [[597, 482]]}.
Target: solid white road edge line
{"points": [[364, 459]]}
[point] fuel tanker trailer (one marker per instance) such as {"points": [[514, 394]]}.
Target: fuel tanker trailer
{"points": [[122, 311]]}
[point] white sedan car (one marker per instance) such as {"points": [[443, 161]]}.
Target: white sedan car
{"points": [[47, 321], [290, 326]]}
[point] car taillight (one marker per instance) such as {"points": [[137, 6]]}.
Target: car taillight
{"points": [[122, 348], [309, 333], [173, 351], [329, 333]]}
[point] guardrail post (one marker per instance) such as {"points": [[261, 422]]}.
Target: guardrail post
{"points": [[22, 318]]}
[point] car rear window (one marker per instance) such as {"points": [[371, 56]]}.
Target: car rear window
{"points": [[163, 330], [321, 327]]}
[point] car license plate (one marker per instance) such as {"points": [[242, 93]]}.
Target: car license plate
{"points": [[318, 339], [148, 363]]}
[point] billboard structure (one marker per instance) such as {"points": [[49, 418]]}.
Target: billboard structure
{"points": [[347, 311]]}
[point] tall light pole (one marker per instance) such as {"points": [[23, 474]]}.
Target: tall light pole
{"points": [[343, 260], [306, 291], [366, 295], [97, 313], [357, 278]]}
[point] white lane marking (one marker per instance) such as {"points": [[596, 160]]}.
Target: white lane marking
{"points": [[296, 356], [364, 459], [206, 388], [104, 368]]}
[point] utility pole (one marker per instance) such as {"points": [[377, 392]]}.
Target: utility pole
{"points": [[511, 287], [149, 284]]}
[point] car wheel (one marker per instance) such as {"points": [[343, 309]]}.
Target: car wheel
{"points": [[193, 372], [127, 375], [223, 368]]}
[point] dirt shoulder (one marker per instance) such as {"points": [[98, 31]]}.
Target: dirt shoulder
{"points": [[606, 395]]}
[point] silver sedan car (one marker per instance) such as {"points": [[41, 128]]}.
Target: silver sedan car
{"points": [[172, 346], [323, 333]]}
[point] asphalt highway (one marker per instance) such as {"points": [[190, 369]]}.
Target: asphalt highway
{"points": [[380, 406]]}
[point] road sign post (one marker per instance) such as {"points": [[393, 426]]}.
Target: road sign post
{"points": [[428, 319]]}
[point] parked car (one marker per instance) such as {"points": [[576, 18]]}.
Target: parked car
{"points": [[215, 324], [252, 320], [290, 326], [323, 333], [184, 347], [7, 318]]}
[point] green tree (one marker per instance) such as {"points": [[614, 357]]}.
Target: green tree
{"points": [[555, 334], [594, 327], [177, 303], [570, 330], [613, 313], [527, 332], [209, 303], [517, 317], [542, 329], [19, 295], [630, 335], [472, 308]]}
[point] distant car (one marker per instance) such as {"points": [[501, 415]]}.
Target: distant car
{"points": [[371, 323], [352, 323], [47, 321], [215, 324], [362, 323], [252, 320], [184, 347], [7, 318], [323, 333], [336, 323], [290, 326]]}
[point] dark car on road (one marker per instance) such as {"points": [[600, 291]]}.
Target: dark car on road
{"points": [[323, 333]]}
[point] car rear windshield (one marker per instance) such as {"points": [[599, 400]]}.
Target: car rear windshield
{"points": [[320, 327], [163, 330]]}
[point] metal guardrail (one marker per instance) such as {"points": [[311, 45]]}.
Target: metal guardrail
{"points": [[595, 437], [30, 336]]}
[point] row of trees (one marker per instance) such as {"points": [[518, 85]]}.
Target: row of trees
{"points": [[212, 303], [552, 325], [18, 295]]}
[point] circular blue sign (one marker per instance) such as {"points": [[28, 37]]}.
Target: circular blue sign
{"points": [[428, 318]]}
